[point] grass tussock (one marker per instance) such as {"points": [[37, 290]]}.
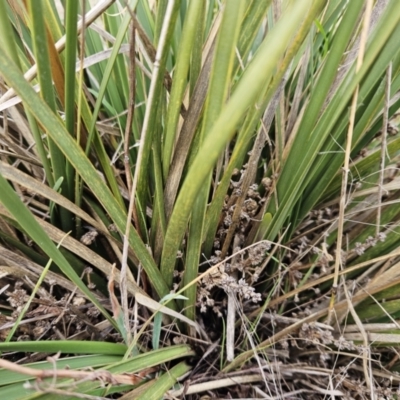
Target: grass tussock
{"points": [[199, 199]]}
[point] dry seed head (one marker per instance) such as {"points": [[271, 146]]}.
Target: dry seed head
{"points": [[112, 228], [267, 183], [78, 301], [392, 129], [17, 298], [89, 237], [359, 249]]}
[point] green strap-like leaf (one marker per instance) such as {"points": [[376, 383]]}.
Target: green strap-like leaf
{"points": [[83, 167], [246, 94], [24, 217]]}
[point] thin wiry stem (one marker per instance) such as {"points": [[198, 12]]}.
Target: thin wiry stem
{"points": [[365, 349], [91, 16], [132, 211], [155, 73], [131, 105], [78, 180], [342, 205], [231, 316], [386, 106], [128, 128], [124, 261]]}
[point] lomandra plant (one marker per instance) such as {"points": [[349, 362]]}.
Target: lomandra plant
{"points": [[199, 196]]}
